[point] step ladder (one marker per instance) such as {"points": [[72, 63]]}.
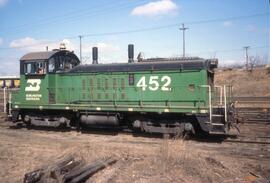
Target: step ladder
{"points": [[218, 123], [217, 114]]}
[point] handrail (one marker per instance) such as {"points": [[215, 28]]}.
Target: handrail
{"points": [[9, 106], [221, 94], [5, 102], [225, 103], [209, 101]]}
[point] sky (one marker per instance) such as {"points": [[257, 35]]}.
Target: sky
{"points": [[216, 29]]}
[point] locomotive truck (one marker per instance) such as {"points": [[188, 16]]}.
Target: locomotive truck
{"points": [[158, 95]]}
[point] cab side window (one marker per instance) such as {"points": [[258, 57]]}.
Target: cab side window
{"points": [[41, 68], [64, 63], [59, 63], [68, 63], [74, 62], [51, 65], [29, 68], [35, 67]]}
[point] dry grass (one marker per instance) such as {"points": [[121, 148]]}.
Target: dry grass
{"points": [[190, 165], [140, 159], [245, 83], [172, 161]]}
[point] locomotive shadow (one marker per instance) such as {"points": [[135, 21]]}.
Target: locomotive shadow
{"points": [[40, 128], [147, 135], [114, 131], [196, 138], [209, 138], [100, 131]]}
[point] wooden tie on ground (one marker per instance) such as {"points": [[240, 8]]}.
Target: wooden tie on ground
{"points": [[68, 170]]}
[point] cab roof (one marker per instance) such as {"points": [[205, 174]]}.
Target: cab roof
{"points": [[45, 55], [38, 55]]}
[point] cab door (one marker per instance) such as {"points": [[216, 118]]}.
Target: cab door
{"points": [[34, 82], [51, 80]]}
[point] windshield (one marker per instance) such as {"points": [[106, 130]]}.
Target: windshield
{"points": [[61, 63]]}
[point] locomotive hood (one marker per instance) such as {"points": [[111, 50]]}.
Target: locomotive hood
{"points": [[146, 66]]}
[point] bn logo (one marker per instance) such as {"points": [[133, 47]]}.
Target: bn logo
{"points": [[33, 85]]}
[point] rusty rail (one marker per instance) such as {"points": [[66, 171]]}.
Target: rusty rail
{"points": [[252, 109]]}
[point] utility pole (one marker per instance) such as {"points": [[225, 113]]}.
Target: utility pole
{"points": [[184, 42], [80, 47], [246, 49]]}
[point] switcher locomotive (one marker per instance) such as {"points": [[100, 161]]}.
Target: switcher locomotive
{"points": [[158, 95]]}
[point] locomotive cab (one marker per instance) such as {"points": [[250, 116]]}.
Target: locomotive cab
{"points": [[42, 63], [38, 72]]}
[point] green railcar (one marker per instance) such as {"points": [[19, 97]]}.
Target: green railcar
{"points": [[154, 95]]}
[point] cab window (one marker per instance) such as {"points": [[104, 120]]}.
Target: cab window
{"points": [[51, 65], [64, 63], [35, 67], [29, 68]]}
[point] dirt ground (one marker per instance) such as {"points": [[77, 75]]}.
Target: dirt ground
{"points": [[141, 158]]}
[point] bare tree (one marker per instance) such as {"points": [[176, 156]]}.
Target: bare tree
{"points": [[253, 61], [256, 61]]}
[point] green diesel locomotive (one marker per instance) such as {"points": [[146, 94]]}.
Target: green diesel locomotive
{"points": [[161, 95]]}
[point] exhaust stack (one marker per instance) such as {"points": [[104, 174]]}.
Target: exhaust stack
{"points": [[130, 53], [95, 55]]}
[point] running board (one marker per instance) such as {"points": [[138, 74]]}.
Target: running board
{"points": [[218, 107], [217, 133], [215, 124], [217, 115]]}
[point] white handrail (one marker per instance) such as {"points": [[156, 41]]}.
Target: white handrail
{"points": [[225, 103], [209, 101], [220, 97], [5, 100], [9, 106]]}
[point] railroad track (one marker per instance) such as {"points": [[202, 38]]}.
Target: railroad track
{"points": [[248, 141], [252, 99], [252, 109]]}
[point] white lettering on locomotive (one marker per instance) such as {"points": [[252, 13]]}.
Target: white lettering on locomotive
{"points": [[154, 83], [33, 97]]}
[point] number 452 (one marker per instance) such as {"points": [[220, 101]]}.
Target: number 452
{"points": [[154, 83]]}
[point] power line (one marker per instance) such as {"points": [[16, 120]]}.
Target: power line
{"points": [[31, 45], [80, 15], [229, 50], [168, 26], [142, 30], [161, 27], [229, 18], [54, 17]]}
